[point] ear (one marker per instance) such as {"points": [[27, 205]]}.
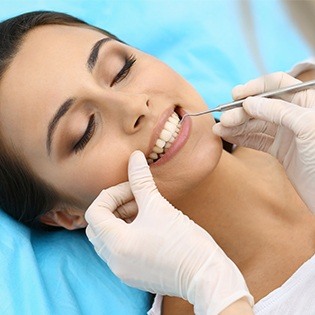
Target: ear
{"points": [[70, 219]]}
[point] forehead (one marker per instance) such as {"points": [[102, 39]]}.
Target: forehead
{"points": [[46, 49], [41, 76]]}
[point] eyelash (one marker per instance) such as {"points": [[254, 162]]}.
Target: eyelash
{"points": [[122, 74], [87, 135]]}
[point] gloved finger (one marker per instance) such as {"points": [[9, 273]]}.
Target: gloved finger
{"points": [[276, 111], [103, 235], [234, 117], [263, 84], [103, 227], [140, 178], [260, 142], [255, 141], [304, 98], [252, 126], [104, 239], [106, 203], [127, 211]]}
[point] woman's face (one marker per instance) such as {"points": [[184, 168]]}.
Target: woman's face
{"points": [[76, 104]]}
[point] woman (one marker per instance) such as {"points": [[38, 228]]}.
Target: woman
{"points": [[66, 137]]}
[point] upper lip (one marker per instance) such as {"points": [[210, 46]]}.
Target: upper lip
{"points": [[159, 127]]}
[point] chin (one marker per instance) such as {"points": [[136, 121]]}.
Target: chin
{"points": [[192, 165]]}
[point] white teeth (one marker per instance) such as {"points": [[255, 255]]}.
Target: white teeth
{"points": [[171, 140], [170, 127], [160, 143], [173, 120], [157, 149], [153, 156], [167, 137]]}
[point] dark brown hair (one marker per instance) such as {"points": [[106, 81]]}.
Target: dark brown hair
{"points": [[23, 195]]}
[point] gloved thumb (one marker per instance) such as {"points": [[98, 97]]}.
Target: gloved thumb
{"points": [[140, 178], [275, 111]]}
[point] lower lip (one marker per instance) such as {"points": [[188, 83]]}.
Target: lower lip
{"points": [[179, 142]]}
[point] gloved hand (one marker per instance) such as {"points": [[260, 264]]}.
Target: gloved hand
{"points": [[282, 127], [162, 250]]}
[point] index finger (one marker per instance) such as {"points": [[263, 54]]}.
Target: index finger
{"points": [[263, 84], [109, 199]]}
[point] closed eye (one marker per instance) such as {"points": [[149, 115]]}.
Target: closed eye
{"points": [[90, 129], [122, 74]]}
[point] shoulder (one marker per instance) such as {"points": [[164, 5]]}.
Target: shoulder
{"points": [[296, 296]]}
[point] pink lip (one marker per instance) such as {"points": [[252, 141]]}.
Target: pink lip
{"points": [[179, 141]]}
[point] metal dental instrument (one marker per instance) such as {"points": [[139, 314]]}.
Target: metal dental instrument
{"points": [[239, 103]]}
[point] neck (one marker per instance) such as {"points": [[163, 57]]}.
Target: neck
{"points": [[247, 204]]}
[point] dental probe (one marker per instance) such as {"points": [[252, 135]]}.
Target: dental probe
{"points": [[239, 103]]}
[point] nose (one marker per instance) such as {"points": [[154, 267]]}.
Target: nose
{"points": [[129, 110], [136, 110]]}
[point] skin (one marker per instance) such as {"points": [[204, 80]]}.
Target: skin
{"points": [[267, 241], [150, 88]]}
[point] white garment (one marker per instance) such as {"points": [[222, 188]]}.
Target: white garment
{"points": [[157, 305], [297, 295]]}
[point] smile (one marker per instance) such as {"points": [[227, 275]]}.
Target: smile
{"points": [[166, 138], [169, 136]]}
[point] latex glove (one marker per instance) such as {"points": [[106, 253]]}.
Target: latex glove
{"points": [[162, 250], [282, 127]]}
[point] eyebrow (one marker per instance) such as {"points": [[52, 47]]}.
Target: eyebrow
{"points": [[94, 52], [65, 107]]}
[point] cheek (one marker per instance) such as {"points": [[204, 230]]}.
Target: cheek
{"points": [[85, 179], [156, 77]]}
